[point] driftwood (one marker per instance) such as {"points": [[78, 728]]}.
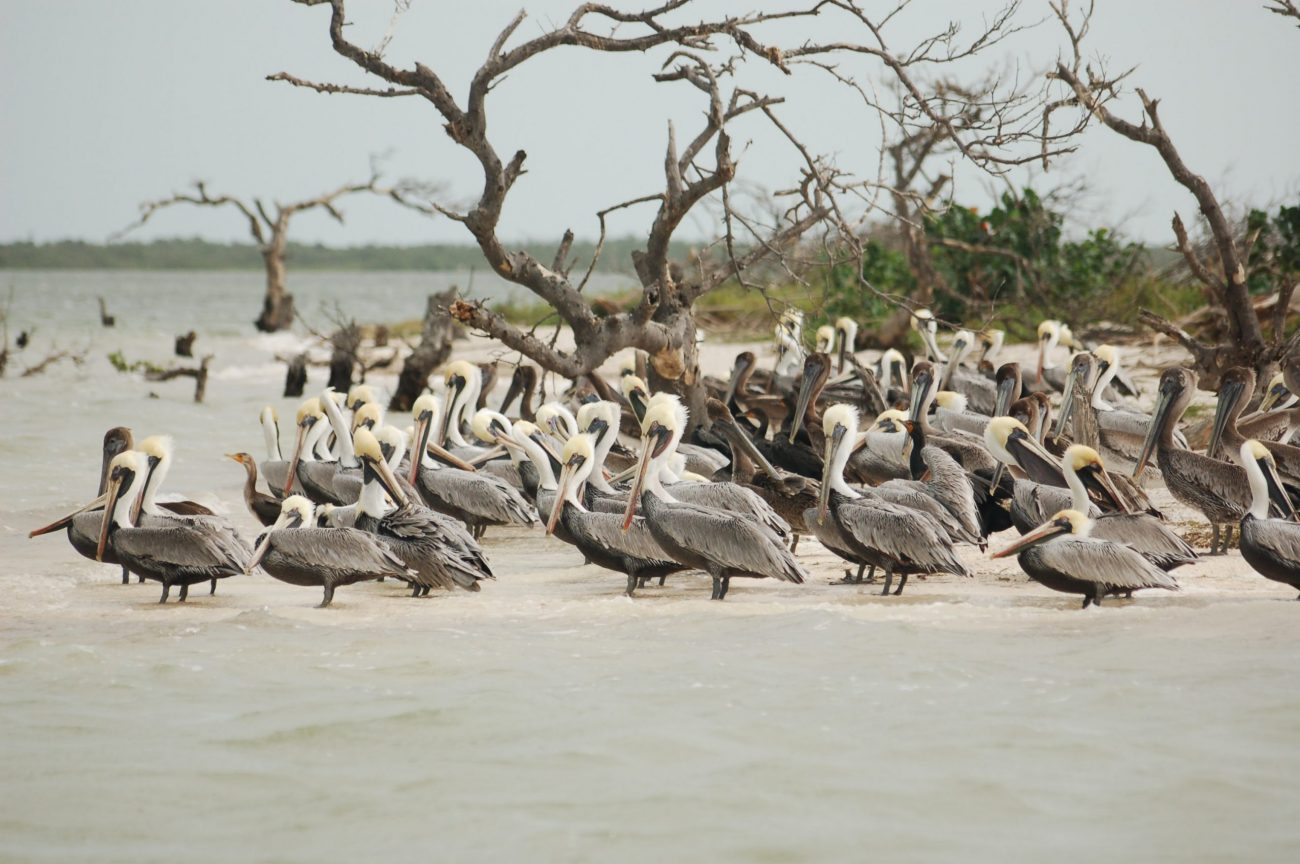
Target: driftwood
{"points": [[77, 358], [295, 379], [433, 351], [198, 373], [185, 344], [104, 318]]}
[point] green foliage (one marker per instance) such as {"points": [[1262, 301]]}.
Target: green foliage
{"points": [[1275, 254], [121, 364]]}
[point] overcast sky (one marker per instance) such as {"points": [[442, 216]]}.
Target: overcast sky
{"points": [[104, 104]]}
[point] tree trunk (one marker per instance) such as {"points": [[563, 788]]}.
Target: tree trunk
{"points": [[295, 380], [347, 342], [277, 305], [433, 351]]}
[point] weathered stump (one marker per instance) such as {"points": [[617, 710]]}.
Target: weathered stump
{"points": [[347, 342], [295, 379], [434, 349], [185, 344]]}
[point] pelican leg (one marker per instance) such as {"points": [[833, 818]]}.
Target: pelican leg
{"points": [[661, 580], [126, 576], [1087, 601], [1227, 542], [901, 582], [139, 580], [794, 544], [889, 581], [329, 595], [185, 592], [166, 590], [726, 583], [632, 583], [871, 577], [1214, 538], [415, 590], [641, 580], [213, 589], [717, 588]]}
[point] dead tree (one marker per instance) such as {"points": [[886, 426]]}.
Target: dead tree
{"points": [[105, 319], [199, 373], [295, 378], [708, 55], [185, 344], [1225, 279], [346, 343], [268, 225], [433, 351]]}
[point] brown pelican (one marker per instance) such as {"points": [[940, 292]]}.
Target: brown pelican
{"points": [[1270, 546], [976, 388], [1219, 490], [1049, 374], [265, 508], [1236, 387], [892, 367], [523, 386], [296, 552], [557, 420], [1278, 394], [600, 536], [1143, 532], [846, 337], [463, 381], [180, 552], [478, 499], [967, 449], [83, 525], [901, 540], [1062, 556], [789, 344], [722, 543], [824, 339], [990, 340], [314, 477], [441, 553]]}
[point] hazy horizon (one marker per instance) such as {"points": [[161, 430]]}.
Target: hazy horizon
{"points": [[108, 105]]}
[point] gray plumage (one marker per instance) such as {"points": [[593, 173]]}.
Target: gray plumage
{"points": [[179, 552], [328, 558], [1092, 567]]}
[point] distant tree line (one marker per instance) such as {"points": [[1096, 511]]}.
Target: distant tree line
{"points": [[198, 254]]}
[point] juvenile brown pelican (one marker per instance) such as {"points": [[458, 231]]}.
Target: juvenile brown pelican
{"points": [[265, 508], [600, 536], [1270, 546], [722, 543], [1236, 387], [180, 552], [83, 525], [478, 499], [441, 553], [967, 449], [1219, 490], [901, 540], [296, 552], [1062, 556], [523, 386]]}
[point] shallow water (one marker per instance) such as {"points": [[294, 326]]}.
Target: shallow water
{"points": [[550, 718]]}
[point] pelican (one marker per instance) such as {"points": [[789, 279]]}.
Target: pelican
{"points": [[600, 536], [441, 553], [557, 420], [923, 323], [965, 448], [360, 395], [523, 385], [990, 340], [265, 508], [1270, 546], [824, 341], [174, 552], [1061, 555], [315, 477], [478, 499], [901, 540], [946, 495], [1278, 394], [846, 337], [790, 495], [1049, 374], [1219, 490], [1236, 386], [83, 524], [722, 543], [463, 380], [789, 343], [275, 469], [892, 367], [1143, 532], [976, 388], [296, 552]]}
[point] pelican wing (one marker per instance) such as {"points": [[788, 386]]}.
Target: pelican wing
{"points": [[1146, 535], [181, 547], [606, 529], [1037, 463], [901, 534], [1115, 566], [735, 499], [480, 494], [338, 549], [737, 544]]}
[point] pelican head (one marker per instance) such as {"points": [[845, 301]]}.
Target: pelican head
{"points": [[846, 337], [1007, 384], [840, 423], [371, 453], [598, 418], [636, 393], [892, 362], [425, 413], [1086, 465], [923, 322], [576, 462], [962, 343], [627, 364], [1107, 356], [990, 340], [816, 369], [1063, 522], [1235, 389], [558, 420], [922, 389], [1000, 430], [368, 416], [158, 448], [825, 339], [295, 512], [1173, 393], [360, 394], [492, 427], [660, 429], [1276, 394], [950, 400], [1265, 484], [1049, 335], [126, 476]]}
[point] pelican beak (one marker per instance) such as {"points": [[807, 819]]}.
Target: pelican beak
{"points": [[841, 340], [653, 443], [1067, 402], [566, 477], [958, 348], [265, 545], [423, 426], [1229, 392], [812, 370], [833, 442], [63, 522], [920, 389], [388, 481], [1276, 491], [1096, 479], [444, 455], [458, 384], [303, 427], [742, 363], [1040, 534], [1274, 395], [1163, 404], [997, 477], [515, 389], [111, 495], [1042, 358]]}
